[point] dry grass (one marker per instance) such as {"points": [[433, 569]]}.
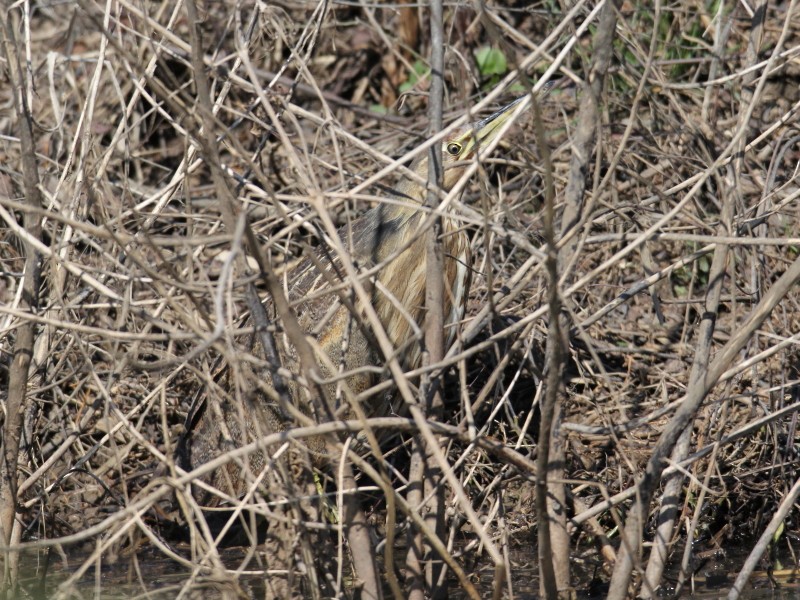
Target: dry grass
{"points": [[140, 296]]}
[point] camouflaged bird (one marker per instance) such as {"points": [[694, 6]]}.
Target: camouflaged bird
{"points": [[387, 235]]}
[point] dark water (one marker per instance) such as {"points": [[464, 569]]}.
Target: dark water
{"points": [[152, 575], [44, 575]]}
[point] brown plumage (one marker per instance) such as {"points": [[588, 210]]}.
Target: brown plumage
{"points": [[387, 235]]}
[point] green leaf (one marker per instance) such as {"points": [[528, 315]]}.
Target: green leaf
{"points": [[420, 72], [420, 69], [704, 264], [491, 61], [778, 533], [379, 109]]}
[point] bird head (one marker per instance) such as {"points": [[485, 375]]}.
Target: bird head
{"points": [[460, 147]]}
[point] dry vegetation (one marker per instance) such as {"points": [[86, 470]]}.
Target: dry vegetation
{"points": [[684, 179]]}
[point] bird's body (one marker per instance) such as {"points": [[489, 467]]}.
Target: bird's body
{"points": [[386, 238]]}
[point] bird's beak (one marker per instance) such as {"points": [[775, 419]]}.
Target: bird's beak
{"points": [[485, 130]]}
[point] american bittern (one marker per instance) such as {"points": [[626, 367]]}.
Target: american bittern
{"points": [[386, 235]]}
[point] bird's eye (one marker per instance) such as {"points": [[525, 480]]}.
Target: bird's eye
{"points": [[453, 149]]}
